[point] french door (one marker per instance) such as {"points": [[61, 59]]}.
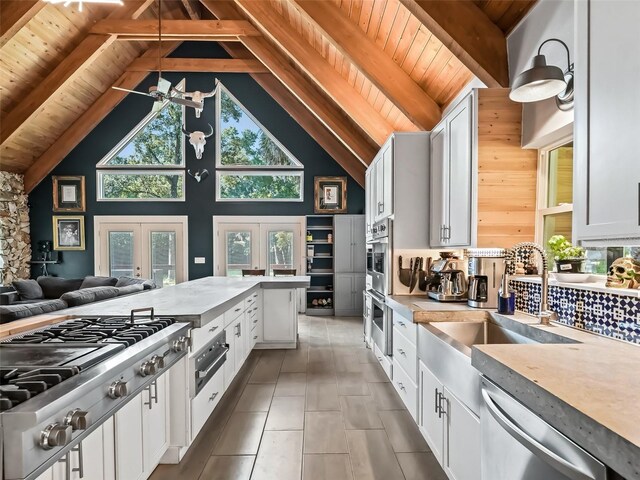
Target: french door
{"points": [[257, 244], [153, 249]]}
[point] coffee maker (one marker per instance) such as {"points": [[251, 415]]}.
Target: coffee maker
{"points": [[485, 268], [447, 283]]}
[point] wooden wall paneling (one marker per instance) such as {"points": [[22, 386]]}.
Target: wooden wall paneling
{"points": [[465, 30], [86, 122], [507, 174], [85, 53], [377, 66], [298, 87], [14, 14], [314, 65]]}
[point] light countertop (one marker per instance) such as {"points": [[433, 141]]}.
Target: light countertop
{"points": [[590, 390], [197, 301]]}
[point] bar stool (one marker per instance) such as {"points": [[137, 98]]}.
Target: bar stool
{"points": [[284, 272], [253, 273]]}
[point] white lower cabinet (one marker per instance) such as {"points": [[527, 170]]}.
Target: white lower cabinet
{"points": [[280, 308], [230, 364], [203, 404], [92, 459], [449, 427], [142, 432]]}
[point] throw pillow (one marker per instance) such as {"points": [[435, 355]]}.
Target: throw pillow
{"points": [[28, 289], [91, 281], [55, 287]]}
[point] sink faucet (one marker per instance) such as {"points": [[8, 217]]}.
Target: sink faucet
{"points": [[545, 315]]}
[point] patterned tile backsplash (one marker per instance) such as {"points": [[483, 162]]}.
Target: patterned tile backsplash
{"points": [[609, 314]]}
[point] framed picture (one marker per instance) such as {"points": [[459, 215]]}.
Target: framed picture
{"points": [[68, 233], [68, 194], [330, 194]]}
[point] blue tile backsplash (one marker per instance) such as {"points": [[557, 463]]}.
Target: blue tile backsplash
{"points": [[609, 314]]}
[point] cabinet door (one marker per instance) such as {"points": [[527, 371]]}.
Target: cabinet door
{"points": [[359, 286], [238, 342], [358, 245], [343, 243], [437, 203], [387, 192], [155, 422], [279, 315], [459, 174], [129, 441], [462, 453], [94, 457], [607, 164], [230, 364], [379, 190], [343, 296], [431, 426], [368, 193]]}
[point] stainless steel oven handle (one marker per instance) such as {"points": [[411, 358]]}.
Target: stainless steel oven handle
{"points": [[205, 372], [552, 459]]}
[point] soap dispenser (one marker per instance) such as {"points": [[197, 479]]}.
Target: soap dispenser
{"points": [[506, 296]]}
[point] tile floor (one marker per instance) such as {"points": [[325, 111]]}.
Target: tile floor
{"points": [[323, 411]]}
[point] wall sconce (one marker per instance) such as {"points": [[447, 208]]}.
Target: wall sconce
{"points": [[544, 81]]}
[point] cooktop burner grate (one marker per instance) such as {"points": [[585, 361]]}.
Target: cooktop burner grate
{"points": [[20, 384]]}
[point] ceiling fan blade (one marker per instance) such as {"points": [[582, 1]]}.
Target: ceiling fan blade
{"points": [[186, 103], [132, 91], [164, 86]]}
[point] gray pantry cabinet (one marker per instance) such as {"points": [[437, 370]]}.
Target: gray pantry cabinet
{"points": [[349, 263]]}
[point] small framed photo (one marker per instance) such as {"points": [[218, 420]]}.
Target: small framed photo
{"points": [[330, 195], [68, 194], [68, 233]]}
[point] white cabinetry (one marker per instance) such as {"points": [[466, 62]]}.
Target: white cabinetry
{"points": [[607, 163], [141, 431], [349, 244], [348, 297], [203, 404], [281, 317], [452, 150], [230, 364], [405, 362], [450, 428], [384, 181], [369, 206]]}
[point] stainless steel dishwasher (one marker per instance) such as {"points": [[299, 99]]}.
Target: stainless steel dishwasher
{"points": [[519, 445]]}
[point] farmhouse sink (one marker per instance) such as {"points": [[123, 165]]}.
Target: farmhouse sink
{"points": [[480, 333]]}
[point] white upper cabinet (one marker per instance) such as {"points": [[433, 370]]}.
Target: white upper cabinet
{"points": [[607, 122], [368, 203], [384, 182], [452, 151]]}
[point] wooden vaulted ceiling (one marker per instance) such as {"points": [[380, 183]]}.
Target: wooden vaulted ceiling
{"points": [[349, 71]]}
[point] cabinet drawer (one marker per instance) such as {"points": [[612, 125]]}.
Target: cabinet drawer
{"points": [[204, 403], [405, 354], [234, 312], [251, 300], [406, 327], [385, 363], [203, 335], [407, 390]]}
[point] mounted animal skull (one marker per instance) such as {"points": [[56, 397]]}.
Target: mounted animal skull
{"points": [[624, 273], [198, 139], [198, 97]]}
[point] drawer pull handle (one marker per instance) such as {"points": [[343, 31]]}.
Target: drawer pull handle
{"points": [[213, 397], [238, 309], [402, 324], [255, 321], [401, 352], [379, 359], [255, 337], [401, 386], [213, 329]]}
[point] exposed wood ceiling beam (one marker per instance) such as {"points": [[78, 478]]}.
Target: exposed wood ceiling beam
{"points": [[175, 29], [193, 9], [313, 63], [373, 62], [86, 122], [465, 30], [198, 65], [87, 51], [326, 111], [14, 14], [304, 117]]}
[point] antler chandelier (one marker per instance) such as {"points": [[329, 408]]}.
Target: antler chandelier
{"points": [[81, 2]]}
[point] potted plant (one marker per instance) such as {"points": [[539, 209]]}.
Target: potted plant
{"points": [[568, 258]]}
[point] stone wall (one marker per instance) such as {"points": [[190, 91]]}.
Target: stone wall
{"points": [[15, 241]]}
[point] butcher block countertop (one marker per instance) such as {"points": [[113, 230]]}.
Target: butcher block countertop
{"points": [[589, 390]]}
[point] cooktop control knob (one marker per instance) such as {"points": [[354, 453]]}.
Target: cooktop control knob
{"points": [[383, 228], [148, 368], [158, 361], [118, 389], [78, 419], [180, 345], [55, 435]]}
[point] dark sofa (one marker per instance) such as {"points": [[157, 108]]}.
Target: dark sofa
{"points": [[48, 294]]}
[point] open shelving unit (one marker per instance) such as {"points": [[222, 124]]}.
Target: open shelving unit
{"points": [[319, 264]]}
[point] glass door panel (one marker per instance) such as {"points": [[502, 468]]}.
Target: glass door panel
{"points": [[121, 254], [280, 246], [163, 258], [240, 243]]}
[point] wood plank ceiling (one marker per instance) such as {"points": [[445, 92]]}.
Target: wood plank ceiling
{"points": [[349, 71]]}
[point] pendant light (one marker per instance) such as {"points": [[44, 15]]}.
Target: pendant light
{"points": [[544, 81]]}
